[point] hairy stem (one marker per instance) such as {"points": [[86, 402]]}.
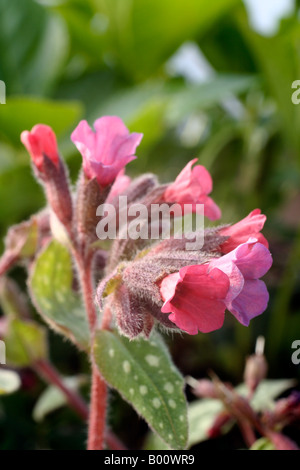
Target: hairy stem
{"points": [[97, 419], [87, 288], [51, 376], [97, 422]]}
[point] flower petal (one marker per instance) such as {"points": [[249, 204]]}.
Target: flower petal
{"points": [[195, 298], [251, 302], [240, 232], [253, 259], [235, 276]]}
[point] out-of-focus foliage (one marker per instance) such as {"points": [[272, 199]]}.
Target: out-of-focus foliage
{"points": [[198, 81]]}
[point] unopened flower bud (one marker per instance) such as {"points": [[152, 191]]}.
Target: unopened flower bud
{"points": [[255, 371], [256, 367], [203, 388], [140, 187], [50, 170], [132, 316], [41, 141]]}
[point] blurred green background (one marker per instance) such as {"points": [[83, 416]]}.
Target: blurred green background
{"points": [[202, 79]]}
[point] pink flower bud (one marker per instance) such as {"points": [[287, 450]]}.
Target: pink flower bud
{"points": [[239, 233], [40, 142], [132, 318], [50, 170], [192, 186], [106, 151], [255, 371], [204, 388]]}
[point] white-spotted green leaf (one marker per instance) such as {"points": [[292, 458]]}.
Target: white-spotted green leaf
{"points": [[143, 373], [9, 381], [53, 398], [51, 287], [202, 413], [26, 342]]}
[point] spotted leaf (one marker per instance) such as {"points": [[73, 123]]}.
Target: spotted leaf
{"points": [[143, 373]]}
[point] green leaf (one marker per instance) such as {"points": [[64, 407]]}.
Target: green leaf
{"points": [[142, 34], [51, 287], [156, 106], [202, 414], [263, 444], [33, 46], [266, 392], [26, 343], [22, 113], [53, 398], [154, 442], [9, 382], [278, 59], [189, 99], [142, 372]]}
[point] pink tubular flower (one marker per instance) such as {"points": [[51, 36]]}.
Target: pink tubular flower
{"points": [[247, 296], [248, 227], [195, 297], [40, 142], [106, 151], [192, 186]]}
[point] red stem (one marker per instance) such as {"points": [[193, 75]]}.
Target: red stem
{"points": [[50, 375], [97, 419], [98, 405], [247, 432]]}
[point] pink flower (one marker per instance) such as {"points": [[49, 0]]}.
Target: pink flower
{"points": [[239, 233], [195, 297], [247, 296], [106, 151], [39, 142], [192, 186]]}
